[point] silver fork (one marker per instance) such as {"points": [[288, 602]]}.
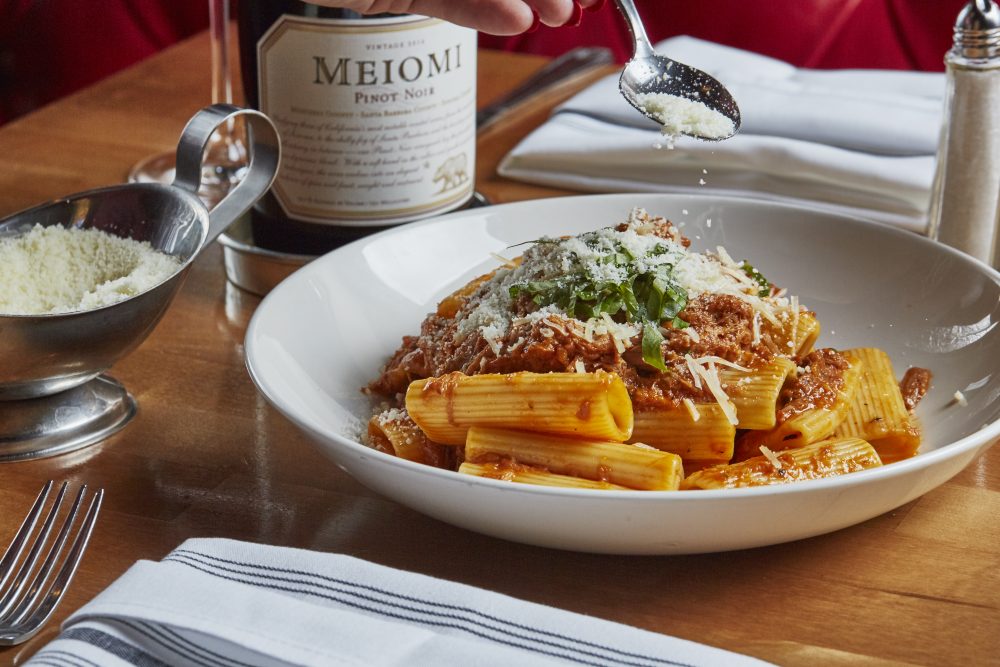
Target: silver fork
{"points": [[32, 585]]}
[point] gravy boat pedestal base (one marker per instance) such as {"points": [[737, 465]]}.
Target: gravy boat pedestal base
{"points": [[69, 420]]}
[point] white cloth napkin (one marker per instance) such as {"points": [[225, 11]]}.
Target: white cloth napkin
{"points": [[217, 603], [856, 141]]}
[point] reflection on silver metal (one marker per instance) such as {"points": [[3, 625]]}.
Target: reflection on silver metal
{"points": [[479, 200], [252, 268], [649, 73], [73, 419], [41, 355], [259, 270], [964, 202], [977, 32]]}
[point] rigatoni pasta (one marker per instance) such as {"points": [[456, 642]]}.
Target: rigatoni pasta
{"points": [[877, 412], [618, 359], [700, 433], [755, 392], [817, 400], [826, 458], [510, 471], [586, 405], [632, 466]]}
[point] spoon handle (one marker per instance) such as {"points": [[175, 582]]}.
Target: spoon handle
{"points": [[643, 48]]}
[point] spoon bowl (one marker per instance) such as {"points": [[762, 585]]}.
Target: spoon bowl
{"points": [[681, 98], [41, 355]]}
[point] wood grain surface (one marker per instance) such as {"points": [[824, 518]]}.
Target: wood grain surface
{"points": [[206, 456]]}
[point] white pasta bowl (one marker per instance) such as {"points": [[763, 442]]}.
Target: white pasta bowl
{"points": [[326, 331]]}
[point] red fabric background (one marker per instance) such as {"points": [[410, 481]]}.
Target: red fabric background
{"points": [[825, 34], [49, 48]]}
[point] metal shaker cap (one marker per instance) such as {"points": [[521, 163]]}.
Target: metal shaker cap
{"points": [[977, 31]]}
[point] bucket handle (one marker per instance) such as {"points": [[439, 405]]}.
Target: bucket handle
{"points": [[264, 149]]}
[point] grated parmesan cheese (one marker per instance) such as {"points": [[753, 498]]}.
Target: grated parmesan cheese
{"points": [[648, 245], [696, 273], [509, 263], [392, 415], [692, 409], [693, 369], [680, 115], [554, 325], [621, 334], [707, 274], [795, 321], [772, 457], [710, 376], [56, 269], [491, 334], [712, 360], [725, 257]]}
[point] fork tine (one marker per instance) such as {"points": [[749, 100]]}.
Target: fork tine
{"points": [[13, 594], [16, 548], [27, 628], [33, 592]]}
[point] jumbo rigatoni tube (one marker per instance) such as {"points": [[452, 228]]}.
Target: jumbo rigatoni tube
{"points": [[585, 405]]}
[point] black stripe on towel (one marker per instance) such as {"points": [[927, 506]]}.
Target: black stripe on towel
{"points": [[465, 619], [180, 639], [49, 661], [173, 642], [57, 658], [116, 647]]}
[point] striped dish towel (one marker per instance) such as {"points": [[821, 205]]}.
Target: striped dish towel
{"points": [[855, 142], [222, 603]]}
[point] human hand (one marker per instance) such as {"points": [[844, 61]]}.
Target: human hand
{"points": [[497, 17]]}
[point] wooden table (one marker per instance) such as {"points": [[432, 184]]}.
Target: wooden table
{"points": [[206, 456]]}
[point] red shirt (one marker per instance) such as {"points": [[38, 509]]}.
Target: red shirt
{"points": [[826, 34], [50, 48]]}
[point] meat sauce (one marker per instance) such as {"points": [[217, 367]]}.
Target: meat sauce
{"points": [[915, 383], [817, 386], [414, 445], [724, 326]]}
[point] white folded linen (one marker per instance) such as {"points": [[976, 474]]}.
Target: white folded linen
{"points": [[215, 602], [858, 141]]}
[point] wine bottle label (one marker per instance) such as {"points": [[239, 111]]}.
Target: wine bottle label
{"points": [[376, 116]]}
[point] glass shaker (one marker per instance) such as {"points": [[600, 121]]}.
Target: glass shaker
{"points": [[963, 212]]}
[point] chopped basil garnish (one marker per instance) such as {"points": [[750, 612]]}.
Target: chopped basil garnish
{"points": [[648, 297], [757, 277]]}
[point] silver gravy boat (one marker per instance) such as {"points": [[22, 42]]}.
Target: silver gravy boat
{"points": [[42, 355]]}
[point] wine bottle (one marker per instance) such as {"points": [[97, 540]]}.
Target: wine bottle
{"points": [[376, 116]]}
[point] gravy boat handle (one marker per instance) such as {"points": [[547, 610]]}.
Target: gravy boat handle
{"points": [[264, 152]]}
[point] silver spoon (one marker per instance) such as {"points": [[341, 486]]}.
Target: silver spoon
{"points": [[682, 99]]}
